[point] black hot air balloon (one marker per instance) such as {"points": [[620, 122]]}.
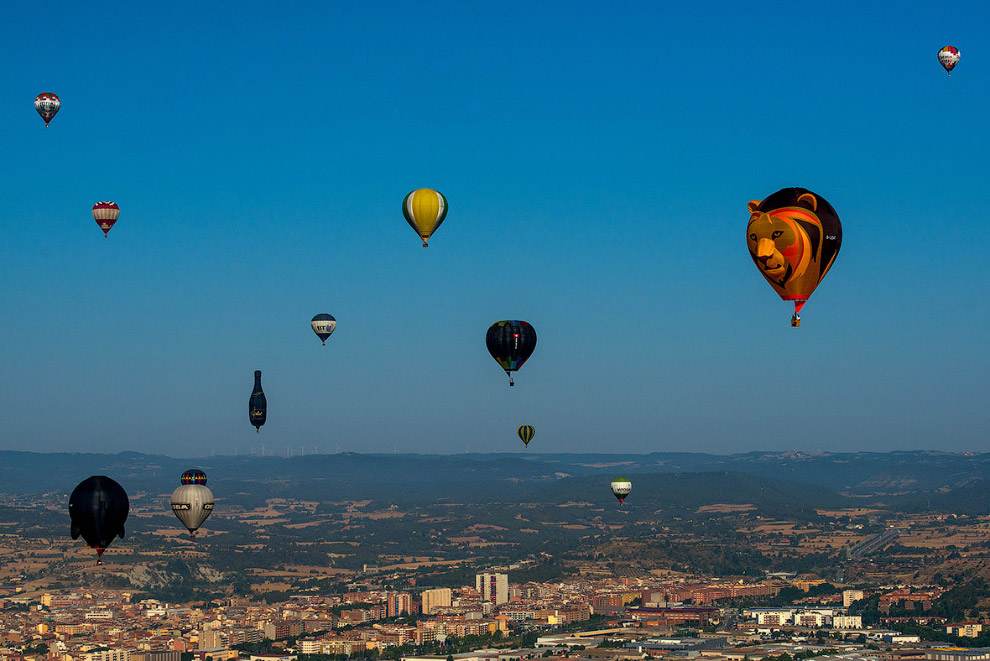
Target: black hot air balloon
{"points": [[257, 405], [511, 343], [98, 508]]}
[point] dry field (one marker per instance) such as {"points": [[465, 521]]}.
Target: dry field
{"points": [[307, 524], [478, 527], [427, 563], [725, 508], [853, 512], [831, 542], [948, 535]]}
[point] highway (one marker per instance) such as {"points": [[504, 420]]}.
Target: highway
{"points": [[873, 543]]}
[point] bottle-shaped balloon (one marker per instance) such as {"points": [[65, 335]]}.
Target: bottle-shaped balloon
{"points": [[424, 210], [511, 343], [258, 405], [948, 57], [47, 105], [794, 237], [192, 502], [526, 434], [98, 508], [106, 214], [323, 325], [621, 488]]}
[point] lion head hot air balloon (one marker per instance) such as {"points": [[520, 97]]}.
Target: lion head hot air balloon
{"points": [[793, 236], [106, 214], [948, 57], [98, 508], [192, 502], [47, 105], [511, 343], [424, 210], [526, 434], [323, 325], [621, 488]]}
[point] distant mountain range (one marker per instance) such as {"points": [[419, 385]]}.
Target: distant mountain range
{"points": [[911, 479]]}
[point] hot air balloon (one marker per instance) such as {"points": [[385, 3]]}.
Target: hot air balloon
{"points": [[98, 508], [511, 343], [526, 433], [106, 214], [192, 502], [258, 404], [193, 476], [424, 210], [47, 105], [793, 236], [948, 57], [621, 488], [323, 325]]}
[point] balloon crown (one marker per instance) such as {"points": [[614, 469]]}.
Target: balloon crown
{"points": [[193, 476]]}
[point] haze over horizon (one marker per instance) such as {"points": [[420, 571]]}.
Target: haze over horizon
{"points": [[597, 165]]}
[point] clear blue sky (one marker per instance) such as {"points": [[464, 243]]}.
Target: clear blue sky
{"points": [[598, 158]]}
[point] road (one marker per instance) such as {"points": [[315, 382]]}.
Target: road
{"points": [[874, 543]]}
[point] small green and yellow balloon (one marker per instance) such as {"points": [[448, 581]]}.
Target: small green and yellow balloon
{"points": [[526, 433], [621, 488]]}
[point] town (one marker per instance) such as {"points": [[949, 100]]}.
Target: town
{"points": [[669, 615]]}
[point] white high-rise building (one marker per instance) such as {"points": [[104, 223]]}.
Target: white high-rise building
{"points": [[493, 588], [433, 599], [849, 596]]}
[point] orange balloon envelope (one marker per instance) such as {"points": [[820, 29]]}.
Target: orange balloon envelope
{"points": [[793, 236]]}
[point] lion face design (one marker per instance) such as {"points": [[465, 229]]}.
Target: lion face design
{"points": [[791, 243], [778, 245]]}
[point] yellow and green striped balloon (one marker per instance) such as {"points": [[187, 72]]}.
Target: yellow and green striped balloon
{"points": [[424, 210], [526, 433]]}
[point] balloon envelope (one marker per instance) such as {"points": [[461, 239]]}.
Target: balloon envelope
{"points": [[621, 488], [323, 325], [105, 214], [193, 476], [47, 105], [511, 343], [258, 404], [98, 507], [526, 434], [948, 57], [424, 210], [793, 237], [192, 504]]}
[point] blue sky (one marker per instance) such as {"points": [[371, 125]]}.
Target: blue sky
{"points": [[597, 159]]}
